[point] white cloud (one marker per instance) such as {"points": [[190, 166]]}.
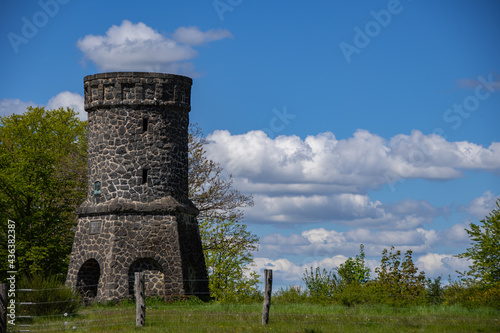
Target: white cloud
{"points": [[137, 47], [11, 106], [356, 164], [320, 243], [434, 264], [63, 99], [68, 99], [345, 208], [481, 207], [321, 178], [194, 36], [286, 273]]}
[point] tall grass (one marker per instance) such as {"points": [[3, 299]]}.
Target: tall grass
{"points": [[300, 317], [47, 295]]}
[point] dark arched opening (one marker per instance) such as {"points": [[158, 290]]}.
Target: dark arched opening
{"points": [[88, 279], [153, 276]]}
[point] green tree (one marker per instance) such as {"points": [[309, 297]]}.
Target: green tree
{"points": [[354, 270], [42, 181], [227, 244], [485, 250], [320, 283], [397, 279]]}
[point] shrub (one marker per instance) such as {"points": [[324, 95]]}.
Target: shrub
{"points": [[289, 295], [397, 280], [320, 284], [49, 295], [472, 296], [434, 291], [354, 270], [356, 294]]}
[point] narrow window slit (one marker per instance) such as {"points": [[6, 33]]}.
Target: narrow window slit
{"points": [[144, 176], [145, 125]]}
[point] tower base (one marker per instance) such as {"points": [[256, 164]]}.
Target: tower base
{"points": [[116, 239]]}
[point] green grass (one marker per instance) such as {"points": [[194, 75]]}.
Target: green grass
{"points": [[213, 317]]}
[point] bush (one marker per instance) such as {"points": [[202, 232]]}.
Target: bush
{"points": [[289, 295], [472, 296], [320, 284], [434, 291], [49, 295], [356, 294]]}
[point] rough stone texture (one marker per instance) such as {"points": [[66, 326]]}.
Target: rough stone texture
{"points": [[137, 216]]}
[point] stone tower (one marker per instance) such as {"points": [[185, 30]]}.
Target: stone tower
{"points": [[137, 215]]}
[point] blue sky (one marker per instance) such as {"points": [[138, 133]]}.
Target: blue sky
{"points": [[349, 122]]}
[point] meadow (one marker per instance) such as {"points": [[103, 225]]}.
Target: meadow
{"points": [[305, 318]]}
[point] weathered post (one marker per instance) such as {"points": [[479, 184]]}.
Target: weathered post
{"points": [[268, 278], [140, 300], [3, 307]]}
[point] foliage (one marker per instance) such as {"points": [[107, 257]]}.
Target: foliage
{"points": [[227, 256], [472, 296], [227, 244], [289, 295], [49, 295], [485, 250], [354, 270], [42, 181], [434, 291], [320, 283], [398, 280]]}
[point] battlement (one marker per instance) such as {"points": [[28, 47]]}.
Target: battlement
{"points": [[136, 88]]}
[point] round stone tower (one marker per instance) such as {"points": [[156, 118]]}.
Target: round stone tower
{"points": [[137, 216]]}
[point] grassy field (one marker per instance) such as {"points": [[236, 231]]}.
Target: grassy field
{"points": [[302, 318]]}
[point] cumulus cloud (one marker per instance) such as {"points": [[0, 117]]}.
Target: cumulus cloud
{"points": [[434, 264], [68, 99], [138, 47], [319, 243], [63, 99], [481, 207], [328, 249], [11, 106], [324, 179], [344, 208], [286, 273], [322, 162]]}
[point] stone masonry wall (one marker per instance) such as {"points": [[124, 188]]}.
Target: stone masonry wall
{"points": [[137, 215]]}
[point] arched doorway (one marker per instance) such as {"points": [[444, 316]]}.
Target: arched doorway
{"points": [[153, 276], [88, 279]]}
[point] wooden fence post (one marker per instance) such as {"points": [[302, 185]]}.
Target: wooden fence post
{"points": [[140, 299], [3, 308], [268, 276]]}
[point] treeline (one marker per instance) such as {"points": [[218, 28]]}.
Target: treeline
{"points": [[397, 283]]}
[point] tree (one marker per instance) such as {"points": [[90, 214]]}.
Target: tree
{"points": [[485, 249], [42, 181], [398, 280], [227, 244], [354, 270], [320, 283]]}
